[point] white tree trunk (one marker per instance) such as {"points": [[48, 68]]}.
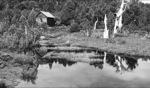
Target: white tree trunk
{"points": [[116, 25], [118, 21], [105, 57], [95, 24], [106, 31], [120, 66], [87, 33], [26, 32]]}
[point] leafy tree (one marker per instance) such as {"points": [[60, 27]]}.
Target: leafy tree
{"points": [[68, 12], [32, 17], [2, 4], [20, 6]]}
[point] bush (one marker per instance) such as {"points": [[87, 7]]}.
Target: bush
{"points": [[29, 73], [44, 26], [15, 38], [110, 41], [22, 59], [121, 41], [68, 12], [74, 28], [2, 84]]}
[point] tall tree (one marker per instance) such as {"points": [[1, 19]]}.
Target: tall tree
{"points": [[118, 20]]}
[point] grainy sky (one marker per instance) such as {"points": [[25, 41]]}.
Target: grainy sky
{"points": [[145, 1]]}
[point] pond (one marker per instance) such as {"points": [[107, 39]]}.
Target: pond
{"points": [[110, 71]]}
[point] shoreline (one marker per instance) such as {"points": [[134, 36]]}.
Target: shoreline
{"points": [[128, 46], [14, 66]]}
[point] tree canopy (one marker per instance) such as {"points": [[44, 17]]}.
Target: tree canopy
{"points": [[83, 12]]}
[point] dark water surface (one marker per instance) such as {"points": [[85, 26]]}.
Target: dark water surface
{"points": [[113, 71]]}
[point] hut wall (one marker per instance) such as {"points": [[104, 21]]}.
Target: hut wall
{"points": [[51, 21]]}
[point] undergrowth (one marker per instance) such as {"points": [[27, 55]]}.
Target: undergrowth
{"points": [[19, 38]]}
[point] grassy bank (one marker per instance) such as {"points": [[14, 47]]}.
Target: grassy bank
{"points": [[129, 45], [14, 66], [16, 58]]}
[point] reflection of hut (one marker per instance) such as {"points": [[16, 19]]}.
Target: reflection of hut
{"points": [[45, 17]]}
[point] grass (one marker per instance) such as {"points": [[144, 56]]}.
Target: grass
{"points": [[8, 77], [17, 65], [129, 45], [15, 38]]}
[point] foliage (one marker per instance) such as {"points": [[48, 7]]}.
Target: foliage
{"points": [[32, 17], [16, 14], [22, 59], [74, 27], [2, 84], [84, 12], [16, 39], [112, 41], [68, 12]]}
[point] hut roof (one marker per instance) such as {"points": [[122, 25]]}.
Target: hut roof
{"points": [[47, 14]]}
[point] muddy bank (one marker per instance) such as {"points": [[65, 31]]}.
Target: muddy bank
{"points": [[14, 66]]}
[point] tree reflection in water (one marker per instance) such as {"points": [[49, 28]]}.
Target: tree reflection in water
{"points": [[63, 62], [97, 64], [121, 63], [131, 63], [29, 73]]}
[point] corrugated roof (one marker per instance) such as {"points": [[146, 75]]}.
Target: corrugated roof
{"points": [[47, 14]]}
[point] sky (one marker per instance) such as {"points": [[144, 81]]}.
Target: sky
{"points": [[145, 1]]}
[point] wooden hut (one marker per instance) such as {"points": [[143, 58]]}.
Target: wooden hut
{"points": [[45, 17]]}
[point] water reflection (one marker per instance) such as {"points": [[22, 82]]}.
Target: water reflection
{"points": [[29, 73], [121, 64], [63, 62], [97, 65]]}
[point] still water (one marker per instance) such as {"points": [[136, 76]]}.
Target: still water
{"points": [[112, 71]]}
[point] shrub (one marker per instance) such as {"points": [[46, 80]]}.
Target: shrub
{"points": [[110, 41], [22, 59], [97, 34], [44, 26], [29, 73], [74, 28], [68, 12], [120, 35], [3, 27], [121, 41], [2, 84], [16, 39]]}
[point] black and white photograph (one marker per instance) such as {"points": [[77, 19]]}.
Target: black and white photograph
{"points": [[74, 43]]}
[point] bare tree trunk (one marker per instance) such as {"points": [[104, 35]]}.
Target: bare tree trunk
{"points": [[106, 30], [26, 30], [105, 57], [120, 23], [118, 20], [120, 65], [95, 24], [116, 25], [88, 32]]}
